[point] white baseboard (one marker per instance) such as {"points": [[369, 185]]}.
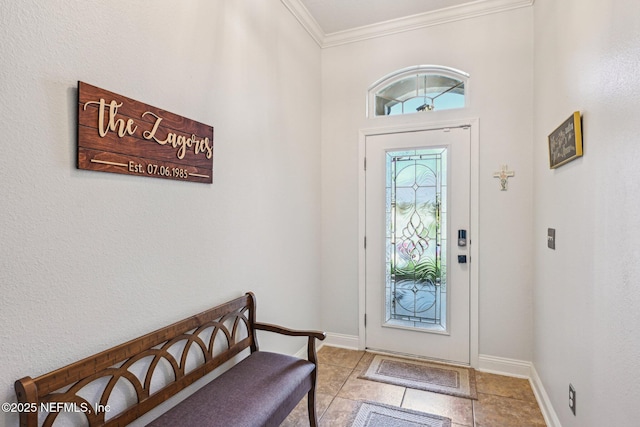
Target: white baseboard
{"points": [[522, 369], [350, 342], [504, 366], [549, 414], [302, 353]]}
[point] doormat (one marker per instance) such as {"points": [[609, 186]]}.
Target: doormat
{"points": [[422, 375], [377, 415]]}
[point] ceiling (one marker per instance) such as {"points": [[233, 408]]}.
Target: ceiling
{"points": [[339, 15], [335, 22]]}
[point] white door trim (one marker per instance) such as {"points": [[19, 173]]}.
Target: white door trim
{"points": [[474, 317]]}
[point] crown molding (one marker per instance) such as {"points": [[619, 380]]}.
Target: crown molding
{"points": [[308, 22], [394, 26]]}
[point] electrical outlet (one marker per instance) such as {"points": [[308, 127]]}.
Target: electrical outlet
{"points": [[572, 399]]}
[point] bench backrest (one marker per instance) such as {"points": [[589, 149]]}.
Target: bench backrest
{"points": [[152, 368]]}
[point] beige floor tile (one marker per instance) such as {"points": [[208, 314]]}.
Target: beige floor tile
{"points": [[331, 378], [341, 413], [339, 356], [358, 389], [322, 401], [364, 362], [491, 411], [299, 417], [499, 385], [459, 409], [503, 401]]}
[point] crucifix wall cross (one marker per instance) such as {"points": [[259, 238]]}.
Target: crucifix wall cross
{"points": [[503, 175]]}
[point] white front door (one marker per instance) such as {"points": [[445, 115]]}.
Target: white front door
{"points": [[417, 205]]}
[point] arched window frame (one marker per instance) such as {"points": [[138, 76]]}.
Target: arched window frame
{"points": [[401, 74]]}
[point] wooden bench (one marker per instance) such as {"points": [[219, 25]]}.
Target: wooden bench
{"points": [[260, 390]]}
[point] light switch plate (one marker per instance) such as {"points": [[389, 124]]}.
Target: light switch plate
{"points": [[551, 238]]}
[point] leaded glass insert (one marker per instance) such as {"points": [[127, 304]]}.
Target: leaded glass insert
{"points": [[416, 288]]}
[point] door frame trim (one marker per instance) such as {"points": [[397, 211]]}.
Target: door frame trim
{"points": [[474, 124]]}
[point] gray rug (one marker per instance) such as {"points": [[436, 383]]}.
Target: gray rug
{"points": [[422, 375], [377, 415]]}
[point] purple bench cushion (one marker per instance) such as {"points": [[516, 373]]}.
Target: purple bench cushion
{"points": [[261, 390]]}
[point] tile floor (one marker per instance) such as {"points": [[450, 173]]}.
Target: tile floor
{"points": [[502, 401]]}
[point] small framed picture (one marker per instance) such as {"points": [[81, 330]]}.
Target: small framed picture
{"points": [[565, 143]]}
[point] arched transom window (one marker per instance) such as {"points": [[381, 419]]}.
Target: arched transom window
{"points": [[417, 89]]}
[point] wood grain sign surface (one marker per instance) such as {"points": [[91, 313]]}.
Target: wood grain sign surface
{"points": [[120, 135]]}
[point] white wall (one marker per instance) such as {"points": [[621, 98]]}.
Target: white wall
{"points": [[587, 57], [497, 52], [89, 260]]}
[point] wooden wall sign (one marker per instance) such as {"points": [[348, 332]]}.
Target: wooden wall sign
{"points": [[565, 143], [118, 134]]}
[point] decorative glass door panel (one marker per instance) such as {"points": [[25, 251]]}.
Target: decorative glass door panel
{"points": [[417, 195], [416, 285]]}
